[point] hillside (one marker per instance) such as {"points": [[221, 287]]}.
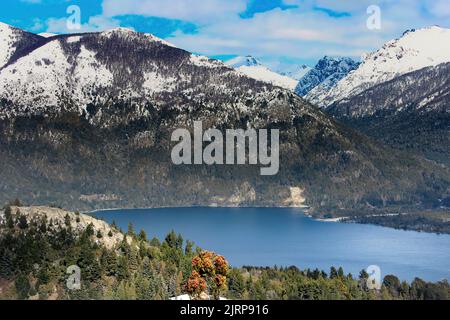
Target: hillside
{"points": [[14, 42], [39, 246], [85, 123], [409, 113]]}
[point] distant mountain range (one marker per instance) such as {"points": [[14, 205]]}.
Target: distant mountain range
{"points": [[296, 72], [305, 81], [400, 94], [86, 119], [324, 76], [415, 50]]}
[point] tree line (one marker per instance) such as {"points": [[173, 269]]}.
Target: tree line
{"points": [[35, 254]]}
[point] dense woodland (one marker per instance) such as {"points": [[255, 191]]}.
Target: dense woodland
{"points": [[35, 255], [437, 221]]}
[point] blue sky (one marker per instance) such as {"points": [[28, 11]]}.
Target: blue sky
{"points": [[279, 32]]}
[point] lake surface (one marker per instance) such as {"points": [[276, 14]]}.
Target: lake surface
{"points": [[285, 237]]}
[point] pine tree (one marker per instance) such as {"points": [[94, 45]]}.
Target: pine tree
{"points": [[130, 231], [23, 223], [333, 273], [142, 235], [67, 220], [189, 246]]}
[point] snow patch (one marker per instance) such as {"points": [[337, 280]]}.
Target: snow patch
{"points": [[73, 39], [155, 82], [7, 39]]}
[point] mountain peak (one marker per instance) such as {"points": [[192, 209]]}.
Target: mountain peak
{"points": [[240, 61], [131, 34], [414, 50], [120, 30], [253, 68], [14, 40], [327, 72]]}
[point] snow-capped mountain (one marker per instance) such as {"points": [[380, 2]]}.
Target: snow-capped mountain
{"points": [[409, 112], [92, 114], [253, 68], [424, 90], [415, 50], [324, 76], [241, 61], [400, 95], [82, 69], [13, 41]]}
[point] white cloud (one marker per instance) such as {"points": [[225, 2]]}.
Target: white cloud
{"points": [[439, 8], [302, 32], [37, 25], [308, 33], [95, 23], [189, 10]]}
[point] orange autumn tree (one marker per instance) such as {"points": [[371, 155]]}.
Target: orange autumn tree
{"points": [[208, 269]]}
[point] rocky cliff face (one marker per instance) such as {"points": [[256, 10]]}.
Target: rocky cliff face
{"points": [[323, 77]]}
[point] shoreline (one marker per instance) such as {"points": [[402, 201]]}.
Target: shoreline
{"points": [[303, 210], [304, 207]]}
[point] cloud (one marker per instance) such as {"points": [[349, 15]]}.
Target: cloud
{"points": [[94, 24], [439, 8], [310, 33], [37, 25], [290, 33], [201, 11], [276, 29]]}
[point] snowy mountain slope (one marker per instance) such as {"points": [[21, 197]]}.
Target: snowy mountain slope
{"points": [[263, 73], [294, 72], [90, 116], [13, 40], [240, 61], [324, 76], [253, 68], [424, 90], [75, 69], [413, 51], [410, 112]]}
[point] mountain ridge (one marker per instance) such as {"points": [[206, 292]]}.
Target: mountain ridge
{"points": [[413, 51], [253, 68], [108, 134], [324, 76]]}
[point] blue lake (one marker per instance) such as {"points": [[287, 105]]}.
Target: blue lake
{"points": [[285, 237]]}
